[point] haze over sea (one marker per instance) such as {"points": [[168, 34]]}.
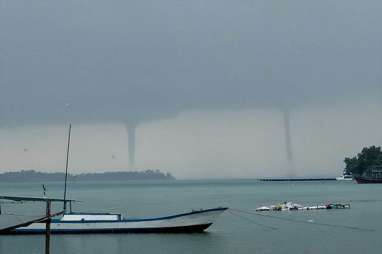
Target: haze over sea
{"points": [[355, 230]]}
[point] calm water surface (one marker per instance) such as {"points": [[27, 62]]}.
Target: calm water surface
{"points": [[297, 232]]}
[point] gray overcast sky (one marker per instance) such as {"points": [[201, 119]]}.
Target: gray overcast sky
{"points": [[157, 61]]}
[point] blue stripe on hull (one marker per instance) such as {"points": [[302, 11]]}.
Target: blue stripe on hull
{"points": [[181, 229]]}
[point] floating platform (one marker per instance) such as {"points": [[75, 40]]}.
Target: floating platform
{"points": [[289, 206]]}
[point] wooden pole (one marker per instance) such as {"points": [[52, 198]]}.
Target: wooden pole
{"points": [[47, 227]]}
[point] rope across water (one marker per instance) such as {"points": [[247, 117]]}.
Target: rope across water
{"points": [[249, 212]]}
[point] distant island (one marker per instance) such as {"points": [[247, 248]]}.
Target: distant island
{"points": [[369, 157], [35, 176]]}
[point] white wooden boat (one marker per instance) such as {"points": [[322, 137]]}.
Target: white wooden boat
{"points": [[80, 223]]}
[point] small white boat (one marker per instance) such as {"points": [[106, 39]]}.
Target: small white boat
{"points": [[263, 209], [345, 177], [80, 223]]}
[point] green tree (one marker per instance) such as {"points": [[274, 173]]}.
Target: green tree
{"points": [[351, 165], [368, 157]]}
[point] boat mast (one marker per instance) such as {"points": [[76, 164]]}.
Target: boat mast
{"points": [[67, 163]]}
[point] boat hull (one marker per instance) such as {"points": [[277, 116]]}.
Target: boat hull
{"points": [[341, 178], [160, 230], [193, 222], [368, 180]]}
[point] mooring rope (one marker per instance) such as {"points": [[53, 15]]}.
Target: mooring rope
{"points": [[250, 220], [303, 221]]}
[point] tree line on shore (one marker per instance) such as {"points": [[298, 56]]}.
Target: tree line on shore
{"points": [[36, 176]]}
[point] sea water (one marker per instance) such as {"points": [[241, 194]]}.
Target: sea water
{"points": [[355, 230]]}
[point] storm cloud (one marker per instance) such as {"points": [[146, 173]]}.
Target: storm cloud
{"points": [[119, 59], [135, 62]]}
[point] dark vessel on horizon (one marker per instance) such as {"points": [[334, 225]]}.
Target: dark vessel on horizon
{"points": [[372, 175]]}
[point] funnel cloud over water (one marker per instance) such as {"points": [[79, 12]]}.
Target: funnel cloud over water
{"points": [[130, 128], [288, 144]]}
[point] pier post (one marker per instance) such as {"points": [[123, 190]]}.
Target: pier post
{"points": [[47, 227]]}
